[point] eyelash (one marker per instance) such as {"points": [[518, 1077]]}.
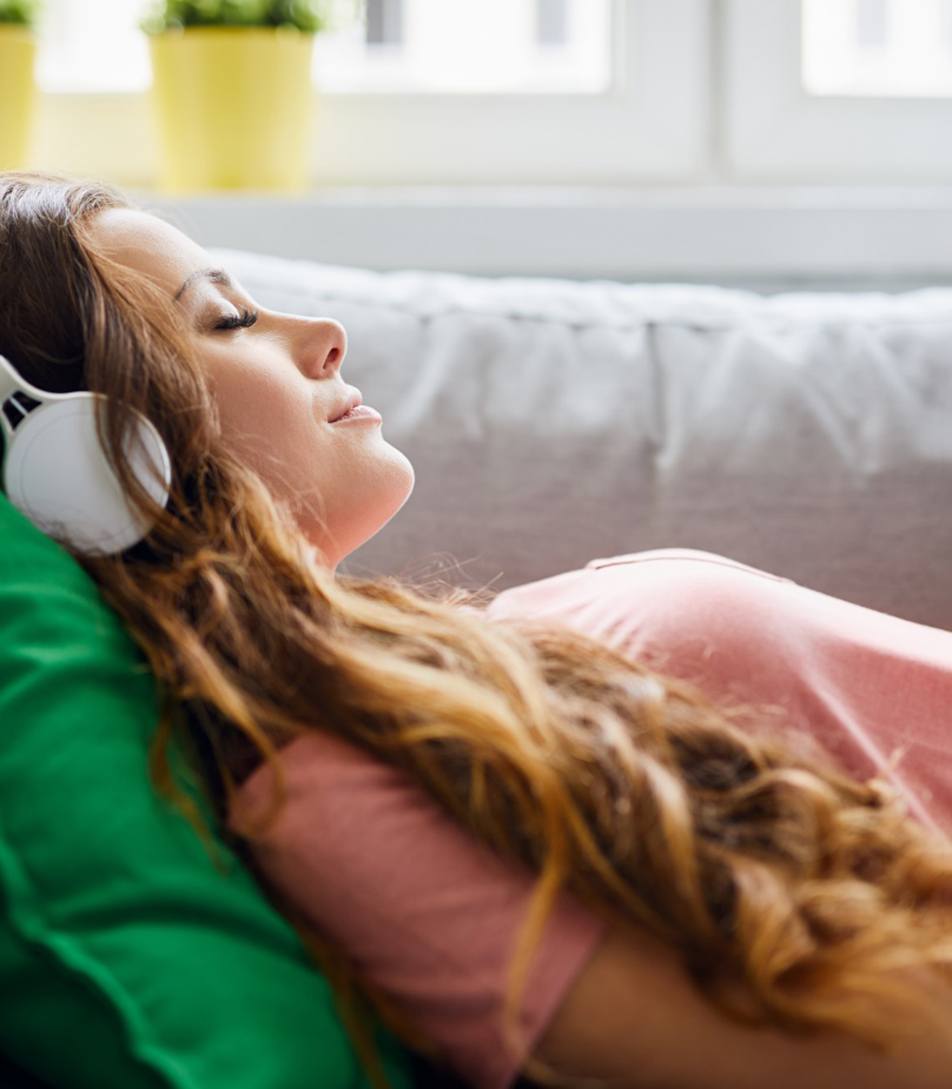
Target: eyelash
{"points": [[248, 318]]}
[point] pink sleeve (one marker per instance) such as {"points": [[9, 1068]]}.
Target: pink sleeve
{"points": [[429, 912]]}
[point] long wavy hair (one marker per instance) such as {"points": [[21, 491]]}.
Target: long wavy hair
{"points": [[754, 856]]}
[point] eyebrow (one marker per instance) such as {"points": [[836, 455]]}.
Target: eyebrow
{"points": [[215, 275]]}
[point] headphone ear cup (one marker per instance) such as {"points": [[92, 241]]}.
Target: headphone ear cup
{"points": [[56, 473]]}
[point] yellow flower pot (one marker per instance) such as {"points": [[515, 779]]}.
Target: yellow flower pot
{"points": [[233, 108], [17, 94]]}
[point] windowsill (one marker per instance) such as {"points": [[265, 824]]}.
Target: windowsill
{"points": [[641, 195], [894, 237]]}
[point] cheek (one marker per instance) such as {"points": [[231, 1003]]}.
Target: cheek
{"points": [[262, 418]]}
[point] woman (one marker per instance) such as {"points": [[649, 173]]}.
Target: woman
{"points": [[663, 894]]}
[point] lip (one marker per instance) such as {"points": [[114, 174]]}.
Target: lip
{"points": [[360, 413]]}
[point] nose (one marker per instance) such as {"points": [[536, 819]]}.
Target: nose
{"points": [[323, 347]]}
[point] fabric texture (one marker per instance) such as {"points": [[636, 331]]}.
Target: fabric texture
{"points": [[424, 908], [554, 420], [430, 914], [127, 958], [868, 687]]}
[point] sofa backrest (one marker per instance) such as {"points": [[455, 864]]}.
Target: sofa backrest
{"points": [[551, 421]]}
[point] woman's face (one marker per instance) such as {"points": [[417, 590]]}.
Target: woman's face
{"points": [[276, 383]]}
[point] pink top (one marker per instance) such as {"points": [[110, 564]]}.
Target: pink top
{"points": [[861, 682], [431, 914]]}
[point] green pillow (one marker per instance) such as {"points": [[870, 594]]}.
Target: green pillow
{"points": [[127, 959]]}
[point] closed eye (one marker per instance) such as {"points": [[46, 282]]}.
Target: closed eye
{"points": [[248, 318]]}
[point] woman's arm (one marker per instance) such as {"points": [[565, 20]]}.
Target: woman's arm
{"points": [[633, 1016], [366, 859]]}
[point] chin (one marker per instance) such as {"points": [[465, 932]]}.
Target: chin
{"points": [[400, 489], [370, 514]]}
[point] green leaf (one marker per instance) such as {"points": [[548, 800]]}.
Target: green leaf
{"points": [[312, 16], [22, 12]]}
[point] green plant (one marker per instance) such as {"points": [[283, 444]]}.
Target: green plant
{"points": [[312, 16], [24, 12]]}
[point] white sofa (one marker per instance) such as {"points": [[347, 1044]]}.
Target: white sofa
{"points": [[553, 421]]}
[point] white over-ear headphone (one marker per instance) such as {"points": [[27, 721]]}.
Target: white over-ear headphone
{"points": [[56, 473]]}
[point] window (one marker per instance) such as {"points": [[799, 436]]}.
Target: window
{"points": [[582, 91], [604, 92], [493, 46], [838, 90]]}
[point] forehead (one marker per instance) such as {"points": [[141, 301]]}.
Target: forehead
{"points": [[148, 244]]}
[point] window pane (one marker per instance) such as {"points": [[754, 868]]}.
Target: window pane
{"points": [[92, 46], [877, 47], [471, 46]]}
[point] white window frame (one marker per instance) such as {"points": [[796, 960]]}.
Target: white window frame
{"points": [[758, 184], [775, 131], [650, 126]]}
